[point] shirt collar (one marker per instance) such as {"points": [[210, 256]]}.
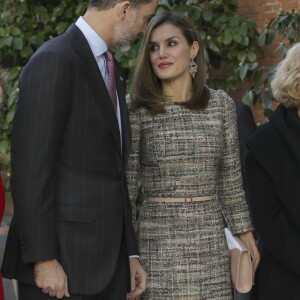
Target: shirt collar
{"points": [[97, 45]]}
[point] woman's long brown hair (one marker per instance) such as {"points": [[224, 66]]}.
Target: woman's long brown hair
{"points": [[147, 88]]}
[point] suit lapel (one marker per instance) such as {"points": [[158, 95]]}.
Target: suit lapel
{"points": [[95, 81]]}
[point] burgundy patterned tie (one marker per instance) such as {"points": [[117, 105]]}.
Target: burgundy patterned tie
{"points": [[111, 75]]}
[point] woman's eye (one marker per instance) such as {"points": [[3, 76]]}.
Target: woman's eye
{"points": [[152, 48], [172, 43]]}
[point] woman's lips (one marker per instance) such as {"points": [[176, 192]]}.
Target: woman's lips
{"points": [[164, 65]]}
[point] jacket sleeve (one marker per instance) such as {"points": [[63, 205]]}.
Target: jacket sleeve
{"points": [[246, 127], [133, 170], [270, 218], [38, 126], [230, 187]]}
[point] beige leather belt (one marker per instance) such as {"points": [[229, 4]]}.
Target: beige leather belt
{"points": [[185, 199]]}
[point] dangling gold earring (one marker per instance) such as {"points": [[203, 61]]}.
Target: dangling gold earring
{"points": [[193, 67]]}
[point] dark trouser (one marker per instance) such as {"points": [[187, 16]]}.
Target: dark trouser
{"points": [[116, 289]]}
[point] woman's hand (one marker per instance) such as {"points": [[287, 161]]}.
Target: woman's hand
{"points": [[248, 239]]}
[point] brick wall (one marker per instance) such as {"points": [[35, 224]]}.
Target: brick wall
{"points": [[263, 11]]}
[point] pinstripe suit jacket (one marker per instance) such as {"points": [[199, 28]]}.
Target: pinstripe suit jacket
{"points": [[68, 169]]}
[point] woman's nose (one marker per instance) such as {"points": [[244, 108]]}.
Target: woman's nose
{"points": [[162, 52]]}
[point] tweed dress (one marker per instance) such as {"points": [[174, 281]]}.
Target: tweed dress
{"points": [[186, 153]]}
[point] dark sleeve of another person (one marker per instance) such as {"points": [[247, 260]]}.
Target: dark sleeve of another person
{"points": [[271, 220], [246, 127]]}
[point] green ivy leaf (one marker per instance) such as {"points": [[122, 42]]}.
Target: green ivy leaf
{"points": [[26, 52], [245, 41], [251, 56], [234, 22], [248, 98], [270, 35], [58, 11], [243, 71], [40, 9], [132, 62], [227, 38], [10, 116], [262, 39], [213, 46], [202, 35], [242, 56], [2, 32], [61, 27], [253, 66], [237, 37], [207, 15], [282, 50], [17, 43], [80, 8], [6, 41], [15, 31], [196, 13], [282, 18], [267, 100], [292, 34], [244, 30]]}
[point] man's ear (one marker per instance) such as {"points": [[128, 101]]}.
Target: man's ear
{"points": [[123, 9]]}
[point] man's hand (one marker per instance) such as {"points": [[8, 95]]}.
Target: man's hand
{"points": [[51, 278], [138, 279]]}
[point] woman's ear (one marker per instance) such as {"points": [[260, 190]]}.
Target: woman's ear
{"points": [[194, 49]]}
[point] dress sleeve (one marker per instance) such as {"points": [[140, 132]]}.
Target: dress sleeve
{"points": [[133, 169], [230, 186]]}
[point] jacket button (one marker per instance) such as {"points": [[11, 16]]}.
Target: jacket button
{"points": [[121, 212]]}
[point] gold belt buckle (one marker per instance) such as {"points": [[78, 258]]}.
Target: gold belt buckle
{"points": [[188, 199]]}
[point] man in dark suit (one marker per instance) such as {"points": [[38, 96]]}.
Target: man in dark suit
{"points": [[71, 234], [246, 127]]}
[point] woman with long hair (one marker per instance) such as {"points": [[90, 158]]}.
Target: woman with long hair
{"points": [[185, 152]]}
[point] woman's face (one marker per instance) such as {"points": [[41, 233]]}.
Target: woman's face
{"points": [[170, 54]]}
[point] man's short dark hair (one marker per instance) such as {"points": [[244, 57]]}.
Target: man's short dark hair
{"points": [[105, 4]]}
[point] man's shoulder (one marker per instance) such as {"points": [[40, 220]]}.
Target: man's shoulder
{"points": [[58, 44], [241, 107], [64, 43], [60, 48]]}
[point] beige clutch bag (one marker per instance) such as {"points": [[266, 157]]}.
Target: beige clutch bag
{"points": [[241, 264]]}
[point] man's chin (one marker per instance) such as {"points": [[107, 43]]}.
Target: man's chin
{"points": [[123, 48], [125, 45]]}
